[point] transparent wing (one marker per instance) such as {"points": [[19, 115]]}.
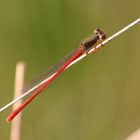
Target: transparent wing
{"points": [[37, 80]]}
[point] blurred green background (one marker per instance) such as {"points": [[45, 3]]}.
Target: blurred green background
{"points": [[98, 98]]}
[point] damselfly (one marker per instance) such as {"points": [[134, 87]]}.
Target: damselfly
{"points": [[42, 81], [90, 45]]}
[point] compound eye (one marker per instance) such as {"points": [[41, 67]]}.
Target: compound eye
{"points": [[95, 32], [100, 33], [103, 37]]}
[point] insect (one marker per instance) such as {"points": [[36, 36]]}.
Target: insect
{"points": [[45, 79], [88, 46]]}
